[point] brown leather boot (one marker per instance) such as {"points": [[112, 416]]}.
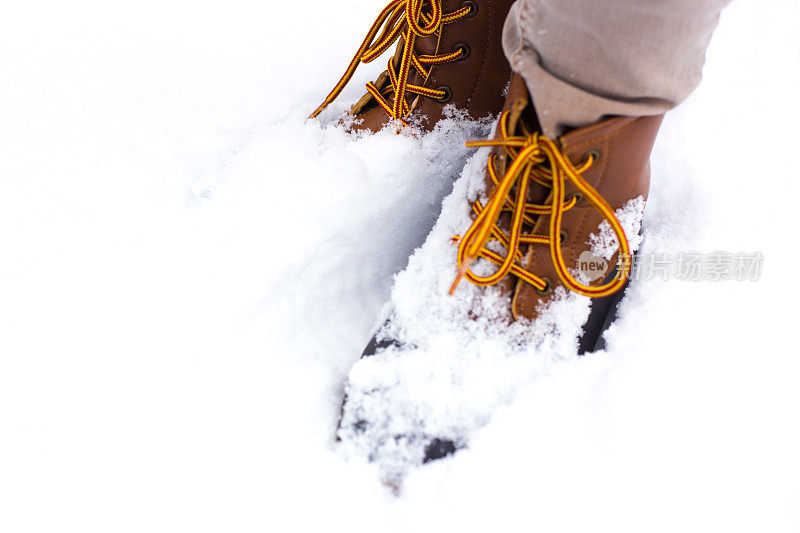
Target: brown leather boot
{"points": [[557, 217], [554, 210], [449, 52], [551, 222]]}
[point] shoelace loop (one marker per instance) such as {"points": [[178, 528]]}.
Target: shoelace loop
{"points": [[538, 158], [406, 19]]}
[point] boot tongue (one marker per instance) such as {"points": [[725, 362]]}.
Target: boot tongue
{"points": [[427, 45], [423, 46], [519, 103], [516, 102]]}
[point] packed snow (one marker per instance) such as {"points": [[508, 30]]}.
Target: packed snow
{"points": [[191, 269]]}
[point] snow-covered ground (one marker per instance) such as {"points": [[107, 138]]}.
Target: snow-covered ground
{"points": [[189, 269]]}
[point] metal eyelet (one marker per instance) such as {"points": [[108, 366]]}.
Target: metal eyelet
{"points": [[473, 8], [547, 287], [594, 154], [577, 196], [448, 94], [562, 237], [464, 49]]}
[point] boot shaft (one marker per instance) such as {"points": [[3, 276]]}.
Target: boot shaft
{"points": [[473, 79]]}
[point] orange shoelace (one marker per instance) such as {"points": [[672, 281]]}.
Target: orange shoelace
{"points": [[401, 19], [538, 158]]}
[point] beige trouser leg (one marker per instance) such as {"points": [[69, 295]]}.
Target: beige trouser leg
{"points": [[584, 59]]}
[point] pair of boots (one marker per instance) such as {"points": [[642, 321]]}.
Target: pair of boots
{"points": [[552, 218]]}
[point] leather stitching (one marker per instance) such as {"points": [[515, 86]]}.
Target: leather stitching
{"points": [[485, 52]]}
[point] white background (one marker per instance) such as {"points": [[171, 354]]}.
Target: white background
{"points": [[188, 269]]}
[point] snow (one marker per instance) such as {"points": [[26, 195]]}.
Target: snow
{"points": [[603, 243], [190, 270], [455, 358]]}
